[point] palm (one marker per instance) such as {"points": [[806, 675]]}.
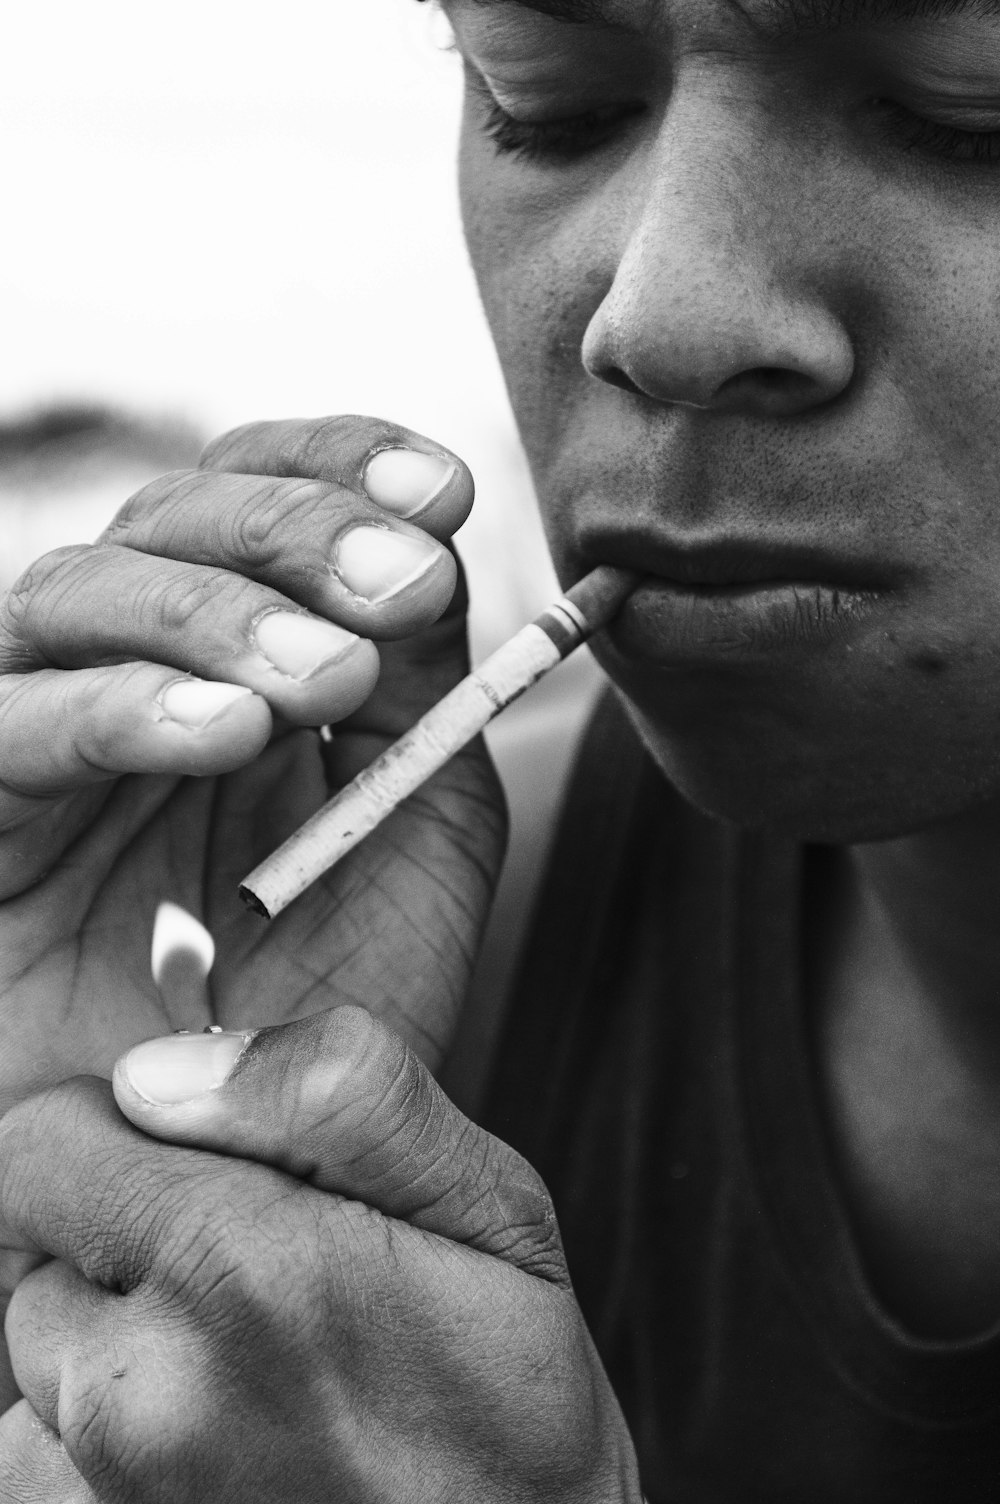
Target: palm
{"points": [[393, 928], [221, 603]]}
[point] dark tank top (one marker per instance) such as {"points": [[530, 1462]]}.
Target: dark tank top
{"points": [[655, 1069]]}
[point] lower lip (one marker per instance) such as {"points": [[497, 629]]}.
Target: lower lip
{"points": [[685, 625]]}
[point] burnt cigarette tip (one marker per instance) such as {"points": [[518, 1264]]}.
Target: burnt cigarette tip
{"points": [[253, 903]]}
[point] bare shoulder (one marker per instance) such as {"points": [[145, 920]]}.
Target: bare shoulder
{"points": [[533, 745]]}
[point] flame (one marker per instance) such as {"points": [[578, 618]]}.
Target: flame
{"points": [[178, 934]]}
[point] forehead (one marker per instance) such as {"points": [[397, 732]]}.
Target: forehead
{"points": [[778, 16]]}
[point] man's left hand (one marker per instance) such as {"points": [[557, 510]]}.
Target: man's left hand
{"points": [[356, 1294]]}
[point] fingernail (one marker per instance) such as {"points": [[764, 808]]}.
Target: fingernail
{"points": [[375, 563], [299, 645], [195, 702], [405, 481], [182, 1066]]}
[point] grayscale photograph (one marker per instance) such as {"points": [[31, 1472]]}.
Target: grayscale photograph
{"points": [[499, 748]]}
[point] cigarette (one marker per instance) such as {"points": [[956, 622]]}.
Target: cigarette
{"points": [[363, 804]]}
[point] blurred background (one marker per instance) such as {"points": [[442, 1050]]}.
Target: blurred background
{"points": [[218, 212], [221, 211]]}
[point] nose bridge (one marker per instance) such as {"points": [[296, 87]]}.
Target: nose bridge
{"points": [[707, 192], [712, 280], [690, 246]]}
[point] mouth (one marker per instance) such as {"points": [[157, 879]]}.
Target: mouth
{"points": [[731, 600]]}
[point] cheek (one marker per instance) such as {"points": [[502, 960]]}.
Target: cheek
{"points": [[955, 377], [541, 275], [929, 323]]}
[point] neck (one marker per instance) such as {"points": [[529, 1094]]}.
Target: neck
{"points": [[907, 1017], [926, 909]]}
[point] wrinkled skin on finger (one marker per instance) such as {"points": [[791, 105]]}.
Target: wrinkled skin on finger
{"points": [[395, 927], [215, 1328], [36, 1466]]}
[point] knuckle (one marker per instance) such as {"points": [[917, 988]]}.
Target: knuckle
{"points": [[93, 710], [272, 1275], [25, 1131], [122, 1420], [111, 1250], [219, 451], [179, 1225], [95, 704], [32, 1458], [179, 600], [82, 698], [85, 1417], [50, 580], [353, 1035], [140, 1411], [16, 1128], [375, 1066], [262, 522], [132, 516], [227, 1265], [528, 1234], [200, 1254], [133, 1205], [35, 1184]]}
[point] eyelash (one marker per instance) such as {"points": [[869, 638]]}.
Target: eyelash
{"points": [[555, 140], [921, 134], [576, 136]]}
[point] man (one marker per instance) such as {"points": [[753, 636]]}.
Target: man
{"points": [[741, 265]]}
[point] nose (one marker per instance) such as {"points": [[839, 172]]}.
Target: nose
{"points": [[717, 301]]}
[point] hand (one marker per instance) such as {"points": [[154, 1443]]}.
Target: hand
{"points": [[100, 734], [376, 1310]]}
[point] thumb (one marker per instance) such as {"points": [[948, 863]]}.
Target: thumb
{"points": [[339, 1101]]}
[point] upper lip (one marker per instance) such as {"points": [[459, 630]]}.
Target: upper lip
{"points": [[725, 561]]}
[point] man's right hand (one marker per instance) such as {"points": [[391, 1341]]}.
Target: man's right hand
{"points": [[223, 611]]}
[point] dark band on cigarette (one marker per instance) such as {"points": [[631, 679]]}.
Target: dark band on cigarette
{"points": [[560, 627], [441, 732]]}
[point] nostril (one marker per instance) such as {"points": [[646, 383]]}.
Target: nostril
{"points": [[772, 390], [614, 376], [774, 379]]}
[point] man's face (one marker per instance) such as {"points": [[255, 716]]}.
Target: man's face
{"points": [[741, 259]]}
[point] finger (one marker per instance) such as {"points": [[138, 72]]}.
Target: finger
{"points": [[79, 1182], [402, 472], [207, 622], [34, 1466], [126, 1383], [317, 543], [65, 730], [14, 1266], [339, 1101], [54, 1314]]}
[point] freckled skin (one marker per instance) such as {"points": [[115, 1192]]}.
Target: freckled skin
{"points": [[930, 662], [751, 316], [760, 311]]}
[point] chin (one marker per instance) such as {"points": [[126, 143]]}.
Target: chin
{"points": [[811, 792]]}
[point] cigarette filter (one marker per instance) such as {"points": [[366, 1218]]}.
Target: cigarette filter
{"points": [[372, 796]]}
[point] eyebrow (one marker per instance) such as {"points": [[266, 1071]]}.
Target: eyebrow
{"points": [[830, 14], [580, 11], [785, 15]]}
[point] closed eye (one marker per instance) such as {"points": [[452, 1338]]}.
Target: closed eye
{"points": [[560, 140], [936, 138]]}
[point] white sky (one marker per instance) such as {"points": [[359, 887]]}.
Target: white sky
{"points": [[238, 210]]}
